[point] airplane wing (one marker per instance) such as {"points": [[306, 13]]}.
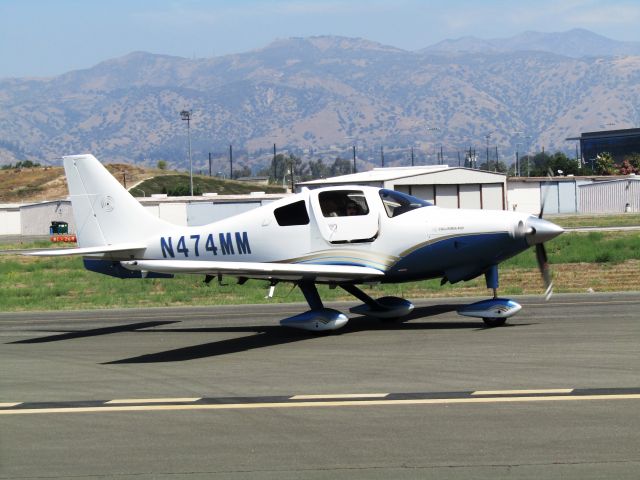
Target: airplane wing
{"points": [[276, 271], [56, 252]]}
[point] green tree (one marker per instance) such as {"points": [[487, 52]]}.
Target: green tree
{"points": [[278, 168], [317, 169], [631, 163], [243, 171], [604, 164], [26, 164], [540, 164], [341, 166], [162, 164], [559, 163], [282, 166], [184, 190]]}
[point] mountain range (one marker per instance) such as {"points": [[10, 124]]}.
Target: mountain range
{"points": [[319, 95]]}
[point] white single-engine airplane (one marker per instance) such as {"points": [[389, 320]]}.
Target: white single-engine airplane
{"points": [[341, 236]]}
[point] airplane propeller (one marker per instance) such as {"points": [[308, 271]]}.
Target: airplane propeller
{"points": [[541, 252], [545, 270]]}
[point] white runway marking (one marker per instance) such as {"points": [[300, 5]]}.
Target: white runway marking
{"points": [[152, 400], [522, 392], [9, 404], [345, 395]]}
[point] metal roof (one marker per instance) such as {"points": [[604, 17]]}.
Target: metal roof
{"points": [[379, 175], [616, 180], [626, 132]]}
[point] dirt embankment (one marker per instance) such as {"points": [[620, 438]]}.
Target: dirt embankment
{"points": [[22, 185]]}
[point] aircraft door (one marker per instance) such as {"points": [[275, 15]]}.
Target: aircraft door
{"points": [[345, 216]]}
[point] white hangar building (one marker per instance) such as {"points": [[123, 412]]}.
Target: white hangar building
{"points": [[454, 187], [34, 219], [619, 195]]}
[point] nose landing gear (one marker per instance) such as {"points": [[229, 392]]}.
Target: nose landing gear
{"points": [[495, 311]]}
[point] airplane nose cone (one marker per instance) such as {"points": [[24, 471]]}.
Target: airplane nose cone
{"points": [[540, 231]]}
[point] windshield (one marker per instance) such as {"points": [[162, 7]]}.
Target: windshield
{"points": [[397, 203]]}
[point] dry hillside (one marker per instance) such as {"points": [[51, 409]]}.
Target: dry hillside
{"points": [[48, 183]]}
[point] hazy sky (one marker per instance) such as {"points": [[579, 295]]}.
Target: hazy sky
{"points": [[49, 37]]}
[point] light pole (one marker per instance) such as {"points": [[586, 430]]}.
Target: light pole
{"points": [[526, 140], [353, 139], [186, 115], [488, 136], [433, 129]]}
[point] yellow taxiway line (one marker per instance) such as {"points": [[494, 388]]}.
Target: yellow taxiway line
{"points": [[320, 404]]}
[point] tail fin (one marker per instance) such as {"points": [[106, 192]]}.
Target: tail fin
{"points": [[105, 213]]}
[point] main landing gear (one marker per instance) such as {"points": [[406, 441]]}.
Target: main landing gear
{"points": [[319, 318], [495, 311]]}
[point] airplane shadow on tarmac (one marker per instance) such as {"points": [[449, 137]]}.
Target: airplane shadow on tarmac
{"points": [[261, 336], [94, 332], [273, 335]]}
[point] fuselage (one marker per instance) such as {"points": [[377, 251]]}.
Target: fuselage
{"points": [[407, 241]]}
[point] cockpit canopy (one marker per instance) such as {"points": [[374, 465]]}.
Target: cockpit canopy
{"points": [[397, 203], [347, 215]]}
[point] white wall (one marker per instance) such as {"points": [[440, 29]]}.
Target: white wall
{"points": [[492, 197], [524, 197], [424, 192], [36, 218], [10, 222], [175, 213], [470, 196], [447, 196]]}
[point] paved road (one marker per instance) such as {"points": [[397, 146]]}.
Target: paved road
{"points": [[602, 229], [215, 393]]}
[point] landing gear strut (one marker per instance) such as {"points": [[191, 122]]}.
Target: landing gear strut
{"points": [[320, 318], [385, 307]]}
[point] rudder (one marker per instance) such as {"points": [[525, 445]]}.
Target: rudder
{"points": [[104, 212]]}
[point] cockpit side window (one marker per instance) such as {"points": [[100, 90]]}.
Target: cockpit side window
{"points": [[293, 214], [397, 203], [343, 203]]}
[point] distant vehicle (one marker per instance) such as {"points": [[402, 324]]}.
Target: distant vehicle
{"points": [[341, 236]]}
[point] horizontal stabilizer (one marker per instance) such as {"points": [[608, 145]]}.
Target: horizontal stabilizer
{"points": [[62, 252], [282, 271]]}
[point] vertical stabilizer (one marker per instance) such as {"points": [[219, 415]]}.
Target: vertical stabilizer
{"points": [[105, 213]]}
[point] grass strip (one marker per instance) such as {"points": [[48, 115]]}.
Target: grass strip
{"points": [[598, 261]]}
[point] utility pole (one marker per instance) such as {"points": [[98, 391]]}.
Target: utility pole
{"points": [[354, 159], [382, 155], [412, 162], [186, 115], [230, 162], [441, 156], [292, 173], [488, 136], [274, 162], [495, 168]]}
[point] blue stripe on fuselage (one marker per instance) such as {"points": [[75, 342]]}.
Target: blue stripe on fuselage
{"points": [[472, 252]]}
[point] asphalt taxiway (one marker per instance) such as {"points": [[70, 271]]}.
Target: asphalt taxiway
{"points": [[225, 392]]}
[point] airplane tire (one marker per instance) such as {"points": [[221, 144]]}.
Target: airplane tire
{"points": [[494, 322]]}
